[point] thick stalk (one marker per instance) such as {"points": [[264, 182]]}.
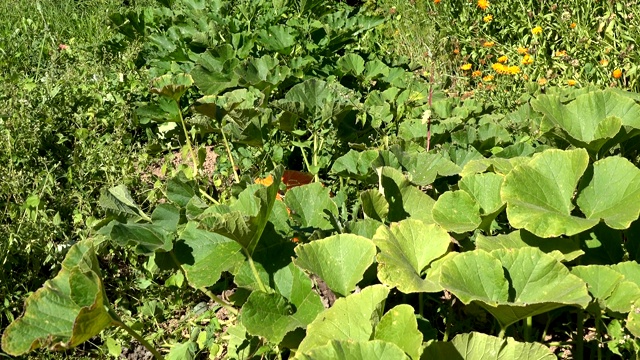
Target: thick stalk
{"points": [[191, 150], [599, 334], [527, 329], [236, 178], [421, 304], [208, 197], [118, 322], [255, 271], [503, 332], [315, 156], [219, 301]]}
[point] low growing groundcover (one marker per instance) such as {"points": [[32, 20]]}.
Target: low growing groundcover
{"points": [[361, 206]]}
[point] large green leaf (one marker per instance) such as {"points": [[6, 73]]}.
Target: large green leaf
{"points": [[147, 238], [539, 193], [172, 86], [374, 205], [311, 206], [485, 190], [423, 167], [68, 310], [354, 350], [399, 326], [613, 194], [205, 255], [273, 315], [352, 318], [314, 100], [608, 287], [457, 211], [563, 249], [590, 118], [118, 199], [278, 38], [406, 250], [249, 215], [478, 346], [513, 284], [340, 260], [351, 64]]}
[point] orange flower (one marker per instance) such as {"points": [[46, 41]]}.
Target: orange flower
{"points": [[476, 73], [503, 59], [522, 50], [542, 81], [571, 82], [483, 4], [573, 25], [487, 78], [456, 51], [266, 181], [436, 2], [617, 73], [465, 67], [512, 70], [560, 53], [527, 60]]}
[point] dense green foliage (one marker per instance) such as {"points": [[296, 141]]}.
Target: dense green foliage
{"points": [[358, 207]]}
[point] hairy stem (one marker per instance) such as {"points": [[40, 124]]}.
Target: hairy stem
{"points": [[236, 178], [255, 271], [118, 322], [188, 139], [579, 340], [527, 329]]}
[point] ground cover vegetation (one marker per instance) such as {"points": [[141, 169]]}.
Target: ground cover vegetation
{"points": [[316, 180]]}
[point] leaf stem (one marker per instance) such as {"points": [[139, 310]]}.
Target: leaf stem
{"points": [[527, 328], [421, 304], [233, 163], [211, 295], [118, 322], [186, 135], [503, 332], [255, 271], [204, 193], [219, 301]]}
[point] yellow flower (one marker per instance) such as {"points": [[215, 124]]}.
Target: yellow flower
{"points": [[573, 25], [617, 73], [487, 78], [522, 50], [542, 81], [488, 44], [571, 82], [536, 30], [604, 62], [476, 73], [499, 68], [483, 4], [503, 59], [512, 70], [466, 67], [561, 53], [527, 60], [488, 18]]}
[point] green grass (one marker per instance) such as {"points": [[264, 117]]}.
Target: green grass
{"points": [[66, 132]]}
